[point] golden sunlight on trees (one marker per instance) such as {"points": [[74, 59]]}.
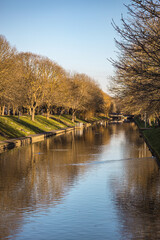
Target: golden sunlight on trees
{"points": [[33, 81], [35, 84], [10, 71], [106, 103], [80, 96], [137, 80]]}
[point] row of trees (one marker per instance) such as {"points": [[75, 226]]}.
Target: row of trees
{"points": [[37, 84], [137, 80]]}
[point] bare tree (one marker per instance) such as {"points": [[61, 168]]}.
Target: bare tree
{"points": [[53, 77], [9, 74], [33, 81], [137, 80]]}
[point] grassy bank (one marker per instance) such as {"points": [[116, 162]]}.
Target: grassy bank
{"points": [[12, 127], [152, 135]]}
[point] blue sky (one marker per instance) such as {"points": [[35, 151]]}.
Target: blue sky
{"points": [[77, 34]]}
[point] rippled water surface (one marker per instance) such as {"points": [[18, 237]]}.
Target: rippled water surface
{"points": [[99, 183]]}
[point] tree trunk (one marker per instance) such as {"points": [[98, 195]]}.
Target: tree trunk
{"points": [[61, 112], [14, 111], [149, 121], [33, 113], [3, 110], [48, 112], [19, 114], [8, 110], [145, 120], [73, 116], [0, 111]]}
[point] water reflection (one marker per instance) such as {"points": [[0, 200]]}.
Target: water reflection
{"points": [[137, 198], [33, 177], [41, 175], [136, 194]]}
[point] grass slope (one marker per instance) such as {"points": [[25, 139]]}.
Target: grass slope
{"points": [[12, 127], [152, 135]]}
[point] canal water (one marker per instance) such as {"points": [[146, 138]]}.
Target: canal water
{"points": [[92, 184]]}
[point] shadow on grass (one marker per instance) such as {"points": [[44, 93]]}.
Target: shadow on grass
{"points": [[46, 121], [60, 121], [9, 131], [69, 118], [27, 125]]}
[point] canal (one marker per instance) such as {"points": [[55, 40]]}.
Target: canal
{"points": [[92, 184]]}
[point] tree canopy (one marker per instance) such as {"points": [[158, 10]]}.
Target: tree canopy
{"points": [[137, 79], [36, 84]]}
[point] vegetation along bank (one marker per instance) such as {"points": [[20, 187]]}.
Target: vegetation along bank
{"points": [[151, 135], [38, 96], [17, 131], [35, 85], [136, 84]]}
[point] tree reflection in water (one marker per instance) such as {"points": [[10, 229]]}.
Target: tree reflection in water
{"points": [[136, 194], [39, 175]]}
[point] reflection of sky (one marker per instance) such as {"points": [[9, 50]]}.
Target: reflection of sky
{"points": [[87, 212], [115, 149], [72, 192]]}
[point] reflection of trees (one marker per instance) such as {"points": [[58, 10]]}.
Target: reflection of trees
{"points": [[137, 195], [41, 174], [134, 146]]}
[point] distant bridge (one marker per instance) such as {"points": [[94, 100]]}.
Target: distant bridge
{"points": [[117, 117]]}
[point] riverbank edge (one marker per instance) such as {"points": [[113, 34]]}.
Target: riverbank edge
{"points": [[23, 141], [148, 142]]}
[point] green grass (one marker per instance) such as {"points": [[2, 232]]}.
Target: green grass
{"points": [[141, 123], [12, 127], [152, 135], [67, 119], [94, 119], [64, 119]]}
